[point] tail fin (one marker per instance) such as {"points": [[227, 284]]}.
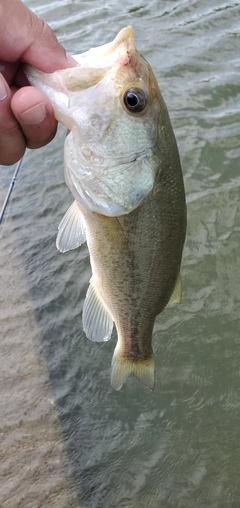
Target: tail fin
{"points": [[122, 369]]}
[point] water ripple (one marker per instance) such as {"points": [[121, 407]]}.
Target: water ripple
{"points": [[66, 438]]}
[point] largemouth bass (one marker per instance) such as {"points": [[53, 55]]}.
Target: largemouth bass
{"points": [[123, 169]]}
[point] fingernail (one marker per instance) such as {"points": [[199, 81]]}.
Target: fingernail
{"points": [[34, 115], [70, 59], [3, 88]]}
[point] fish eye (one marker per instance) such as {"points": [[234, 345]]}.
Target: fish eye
{"points": [[135, 100]]}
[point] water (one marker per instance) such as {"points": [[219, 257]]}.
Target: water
{"points": [[67, 439]]}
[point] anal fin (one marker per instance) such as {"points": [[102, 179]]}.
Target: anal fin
{"points": [[97, 322], [176, 296], [71, 230]]}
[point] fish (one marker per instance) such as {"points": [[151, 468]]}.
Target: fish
{"points": [[122, 166]]}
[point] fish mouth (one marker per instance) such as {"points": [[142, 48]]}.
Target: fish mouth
{"points": [[105, 55], [118, 58], [91, 65]]}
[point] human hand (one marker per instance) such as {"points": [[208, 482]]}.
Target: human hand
{"points": [[26, 114]]}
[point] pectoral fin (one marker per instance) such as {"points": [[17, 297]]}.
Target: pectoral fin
{"points": [[71, 230], [177, 292], [97, 322]]}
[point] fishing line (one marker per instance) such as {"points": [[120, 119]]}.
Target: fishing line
{"points": [[14, 178]]}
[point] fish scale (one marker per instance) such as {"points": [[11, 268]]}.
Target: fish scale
{"points": [[123, 168]]}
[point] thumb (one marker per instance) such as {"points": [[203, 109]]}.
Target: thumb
{"points": [[26, 37]]}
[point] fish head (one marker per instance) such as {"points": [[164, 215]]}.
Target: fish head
{"points": [[110, 103]]}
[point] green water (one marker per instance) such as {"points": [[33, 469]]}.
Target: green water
{"points": [[67, 440]]}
